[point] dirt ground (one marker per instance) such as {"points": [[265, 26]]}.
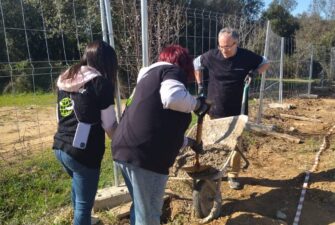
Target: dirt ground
{"points": [[274, 179], [24, 130], [272, 183]]}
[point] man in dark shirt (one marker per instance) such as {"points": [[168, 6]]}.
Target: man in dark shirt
{"points": [[229, 67]]}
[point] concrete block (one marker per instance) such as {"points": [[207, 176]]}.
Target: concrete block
{"points": [[111, 197], [308, 96], [281, 106], [260, 127], [123, 210]]}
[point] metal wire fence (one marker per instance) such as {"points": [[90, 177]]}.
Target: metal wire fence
{"points": [[39, 39], [297, 69]]}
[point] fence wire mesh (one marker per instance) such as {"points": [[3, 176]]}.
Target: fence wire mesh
{"points": [[39, 39]]}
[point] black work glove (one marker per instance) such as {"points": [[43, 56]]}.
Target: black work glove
{"points": [[253, 73], [200, 90], [202, 106], [248, 79], [197, 148]]}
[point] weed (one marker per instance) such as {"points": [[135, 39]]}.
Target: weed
{"points": [[249, 137], [311, 144]]}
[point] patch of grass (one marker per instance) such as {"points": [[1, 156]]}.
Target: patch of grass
{"points": [[178, 219], [310, 145], [21, 100], [332, 146], [107, 217], [34, 188], [249, 137], [30, 189], [107, 170]]}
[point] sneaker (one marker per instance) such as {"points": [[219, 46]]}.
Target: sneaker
{"points": [[234, 184]]}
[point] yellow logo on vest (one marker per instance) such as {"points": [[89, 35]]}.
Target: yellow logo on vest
{"points": [[65, 107]]}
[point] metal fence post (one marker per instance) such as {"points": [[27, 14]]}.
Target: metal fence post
{"points": [[281, 71], [261, 91], [107, 13], [103, 21], [332, 64], [310, 72], [144, 15]]}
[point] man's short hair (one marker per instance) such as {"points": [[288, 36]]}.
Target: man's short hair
{"points": [[228, 30]]}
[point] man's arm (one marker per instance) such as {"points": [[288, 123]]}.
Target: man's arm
{"points": [[259, 70], [263, 66], [198, 74], [198, 69]]}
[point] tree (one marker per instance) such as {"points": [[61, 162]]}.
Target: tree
{"points": [[316, 30], [324, 8], [249, 9], [319, 34], [289, 5], [282, 22]]}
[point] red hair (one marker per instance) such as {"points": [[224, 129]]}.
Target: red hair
{"points": [[179, 56]]}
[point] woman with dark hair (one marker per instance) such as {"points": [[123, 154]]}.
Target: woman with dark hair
{"points": [[85, 111], [151, 131]]}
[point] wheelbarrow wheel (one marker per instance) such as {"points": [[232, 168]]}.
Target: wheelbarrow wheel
{"points": [[206, 199]]}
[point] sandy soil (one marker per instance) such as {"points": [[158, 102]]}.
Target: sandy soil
{"points": [[24, 131], [273, 182]]}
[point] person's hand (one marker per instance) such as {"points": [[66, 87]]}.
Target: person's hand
{"points": [[202, 106], [197, 148], [200, 90]]}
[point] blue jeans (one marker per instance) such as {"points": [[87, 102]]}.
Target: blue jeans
{"points": [[146, 189], [84, 187]]}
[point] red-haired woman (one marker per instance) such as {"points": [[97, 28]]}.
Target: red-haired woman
{"points": [[151, 131]]}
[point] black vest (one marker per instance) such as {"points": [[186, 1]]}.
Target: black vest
{"points": [[149, 136], [98, 95]]}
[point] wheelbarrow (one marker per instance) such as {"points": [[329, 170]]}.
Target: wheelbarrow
{"points": [[206, 179]]}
